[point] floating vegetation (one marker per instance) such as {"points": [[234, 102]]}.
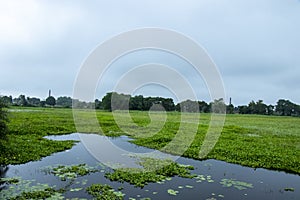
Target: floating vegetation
{"points": [[75, 189], [100, 191], [154, 170], [48, 193], [23, 189], [9, 180], [200, 178], [72, 171], [189, 186], [173, 192], [289, 189], [214, 195], [240, 185], [84, 182]]}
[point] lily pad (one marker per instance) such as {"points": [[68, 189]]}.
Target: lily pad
{"points": [[173, 192]]}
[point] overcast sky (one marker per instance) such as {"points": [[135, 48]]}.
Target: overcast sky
{"points": [[255, 44]]}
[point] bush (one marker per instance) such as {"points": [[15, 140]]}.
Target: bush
{"points": [[3, 119]]}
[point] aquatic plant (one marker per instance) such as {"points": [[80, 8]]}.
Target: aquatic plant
{"points": [[275, 147], [104, 192], [72, 171], [172, 192], [20, 189], [289, 189], [240, 185], [48, 193], [153, 170]]}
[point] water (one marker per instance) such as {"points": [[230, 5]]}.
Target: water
{"points": [[267, 184]]}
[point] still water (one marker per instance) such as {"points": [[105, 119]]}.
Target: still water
{"points": [[266, 184]]}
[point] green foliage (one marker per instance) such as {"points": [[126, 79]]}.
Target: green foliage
{"points": [[289, 189], [270, 142], [173, 192], [20, 101], [7, 100], [287, 108], [114, 101], [65, 102], [33, 101], [72, 171], [3, 119], [19, 149], [19, 189], [240, 185], [50, 101], [40, 194], [251, 140], [104, 192], [9, 180], [154, 170], [40, 121]]}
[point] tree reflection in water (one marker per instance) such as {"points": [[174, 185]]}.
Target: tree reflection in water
{"points": [[3, 170]]}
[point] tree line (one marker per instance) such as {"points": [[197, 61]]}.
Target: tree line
{"points": [[115, 101], [50, 101]]}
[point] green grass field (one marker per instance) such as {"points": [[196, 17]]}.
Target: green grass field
{"points": [[270, 142]]}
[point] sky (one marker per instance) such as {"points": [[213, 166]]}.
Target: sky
{"points": [[254, 44]]}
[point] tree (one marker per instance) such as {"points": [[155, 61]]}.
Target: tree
{"points": [[33, 101], [136, 103], [188, 106], [204, 107], [7, 100], [51, 101], [287, 108], [243, 109], [65, 102], [168, 104], [218, 106], [98, 104], [20, 101], [120, 101], [3, 119], [230, 109], [258, 108], [270, 110], [106, 101]]}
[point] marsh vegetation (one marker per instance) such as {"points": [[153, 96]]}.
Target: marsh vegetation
{"points": [[269, 142]]}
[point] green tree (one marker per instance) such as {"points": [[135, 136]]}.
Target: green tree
{"points": [[120, 101], [65, 102], [136, 103], [33, 101], [3, 119], [230, 109], [243, 109], [204, 107], [258, 108], [270, 110], [7, 100], [287, 108], [20, 101], [106, 101], [168, 104], [51, 101], [188, 106], [98, 104], [218, 106]]}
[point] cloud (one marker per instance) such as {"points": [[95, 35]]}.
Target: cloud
{"points": [[32, 21], [255, 44]]}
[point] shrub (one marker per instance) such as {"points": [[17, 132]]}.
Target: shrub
{"points": [[3, 119]]}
